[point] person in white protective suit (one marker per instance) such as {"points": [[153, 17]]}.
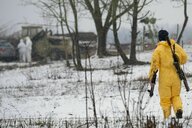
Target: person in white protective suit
{"points": [[28, 49], [22, 51]]}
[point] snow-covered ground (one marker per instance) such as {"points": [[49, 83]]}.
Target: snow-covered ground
{"points": [[53, 90]]}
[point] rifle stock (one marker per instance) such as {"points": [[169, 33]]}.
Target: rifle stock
{"points": [[185, 82], [153, 80]]}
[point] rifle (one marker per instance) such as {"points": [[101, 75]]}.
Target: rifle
{"points": [[153, 80], [179, 70]]}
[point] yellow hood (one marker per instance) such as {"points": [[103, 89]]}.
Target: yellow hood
{"points": [[165, 43]]}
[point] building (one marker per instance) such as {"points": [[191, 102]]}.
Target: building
{"points": [[86, 40], [31, 30], [53, 46]]}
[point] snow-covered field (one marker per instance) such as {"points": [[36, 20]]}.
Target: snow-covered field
{"points": [[53, 90]]}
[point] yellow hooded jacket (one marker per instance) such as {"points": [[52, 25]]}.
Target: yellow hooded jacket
{"points": [[162, 60]]}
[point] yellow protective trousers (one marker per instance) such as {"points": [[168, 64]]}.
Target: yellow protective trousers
{"points": [[170, 97]]}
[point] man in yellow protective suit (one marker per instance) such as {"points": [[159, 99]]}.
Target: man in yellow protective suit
{"points": [[169, 81]]}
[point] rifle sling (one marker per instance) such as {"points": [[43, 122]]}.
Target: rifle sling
{"points": [[174, 59]]}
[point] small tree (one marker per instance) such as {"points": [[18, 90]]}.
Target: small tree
{"points": [[90, 87], [152, 32], [115, 30], [183, 3], [73, 5], [57, 9], [138, 6]]}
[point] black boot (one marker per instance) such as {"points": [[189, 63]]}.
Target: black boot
{"points": [[179, 113]]}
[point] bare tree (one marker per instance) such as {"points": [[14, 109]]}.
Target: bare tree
{"points": [[52, 9], [58, 9], [115, 30], [101, 12], [3, 30], [137, 9], [73, 4], [62, 29], [124, 87], [90, 87], [184, 3]]}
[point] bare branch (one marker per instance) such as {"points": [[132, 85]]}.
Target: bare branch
{"points": [[145, 3]]}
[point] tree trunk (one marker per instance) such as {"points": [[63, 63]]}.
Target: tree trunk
{"points": [[102, 36], [119, 49], [116, 39], [185, 22], [61, 23], [134, 33], [78, 53], [76, 36], [69, 31]]}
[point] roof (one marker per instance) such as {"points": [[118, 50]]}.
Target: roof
{"points": [[83, 36], [32, 26]]}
